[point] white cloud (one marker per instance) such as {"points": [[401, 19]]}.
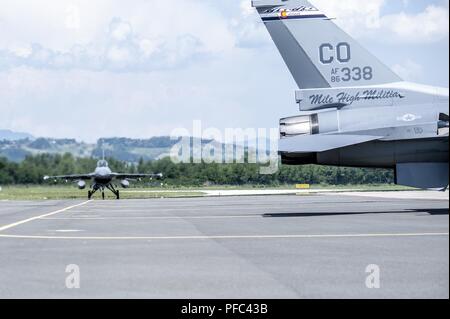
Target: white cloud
{"points": [[149, 47], [355, 16], [120, 50], [120, 30], [57, 25], [409, 70], [365, 19], [22, 51], [73, 17], [247, 28], [144, 30], [430, 25], [246, 8]]}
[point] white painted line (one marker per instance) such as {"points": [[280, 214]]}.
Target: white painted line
{"points": [[262, 192], [167, 210], [223, 209], [233, 237], [411, 195], [66, 231], [241, 192], [152, 217], [40, 216]]}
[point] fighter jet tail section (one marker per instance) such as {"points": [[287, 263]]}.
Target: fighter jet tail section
{"points": [[354, 110], [317, 52]]}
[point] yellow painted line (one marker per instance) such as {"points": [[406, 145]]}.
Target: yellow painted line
{"points": [[3, 228], [232, 237]]}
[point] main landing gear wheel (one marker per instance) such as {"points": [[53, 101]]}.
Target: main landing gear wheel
{"points": [[118, 195], [89, 195], [103, 195]]}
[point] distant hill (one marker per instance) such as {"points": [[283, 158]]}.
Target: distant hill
{"points": [[123, 149], [132, 150], [14, 136], [17, 150]]}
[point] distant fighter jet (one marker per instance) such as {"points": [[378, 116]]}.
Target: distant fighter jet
{"points": [[354, 111], [102, 178]]}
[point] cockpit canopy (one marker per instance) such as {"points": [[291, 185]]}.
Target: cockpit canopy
{"points": [[102, 163]]}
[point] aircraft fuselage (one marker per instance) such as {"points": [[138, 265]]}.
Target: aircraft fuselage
{"points": [[102, 176]]}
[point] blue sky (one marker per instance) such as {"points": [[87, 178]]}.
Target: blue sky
{"points": [[89, 69]]}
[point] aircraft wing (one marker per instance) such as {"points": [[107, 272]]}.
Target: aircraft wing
{"points": [[321, 143], [70, 177], [136, 176]]}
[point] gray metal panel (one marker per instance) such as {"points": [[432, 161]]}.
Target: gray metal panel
{"points": [[393, 123], [423, 175], [387, 154], [321, 143], [300, 65]]}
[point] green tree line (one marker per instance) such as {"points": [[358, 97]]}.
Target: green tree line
{"points": [[33, 168]]}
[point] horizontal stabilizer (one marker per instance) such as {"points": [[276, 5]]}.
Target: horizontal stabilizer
{"points": [[321, 143], [423, 175]]}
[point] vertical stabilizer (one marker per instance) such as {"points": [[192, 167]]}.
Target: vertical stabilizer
{"points": [[317, 52]]}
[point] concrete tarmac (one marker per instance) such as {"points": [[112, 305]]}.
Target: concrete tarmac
{"points": [[309, 246]]}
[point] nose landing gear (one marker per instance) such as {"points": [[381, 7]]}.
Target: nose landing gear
{"points": [[109, 186]]}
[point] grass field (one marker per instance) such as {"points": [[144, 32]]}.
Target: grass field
{"points": [[66, 192], [70, 192]]}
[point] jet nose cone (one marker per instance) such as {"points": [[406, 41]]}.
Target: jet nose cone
{"points": [[103, 172]]}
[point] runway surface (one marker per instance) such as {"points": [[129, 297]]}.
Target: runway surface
{"points": [[309, 246]]}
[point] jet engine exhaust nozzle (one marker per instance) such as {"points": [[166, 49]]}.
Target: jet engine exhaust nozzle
{"points": [[299, 125]]}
